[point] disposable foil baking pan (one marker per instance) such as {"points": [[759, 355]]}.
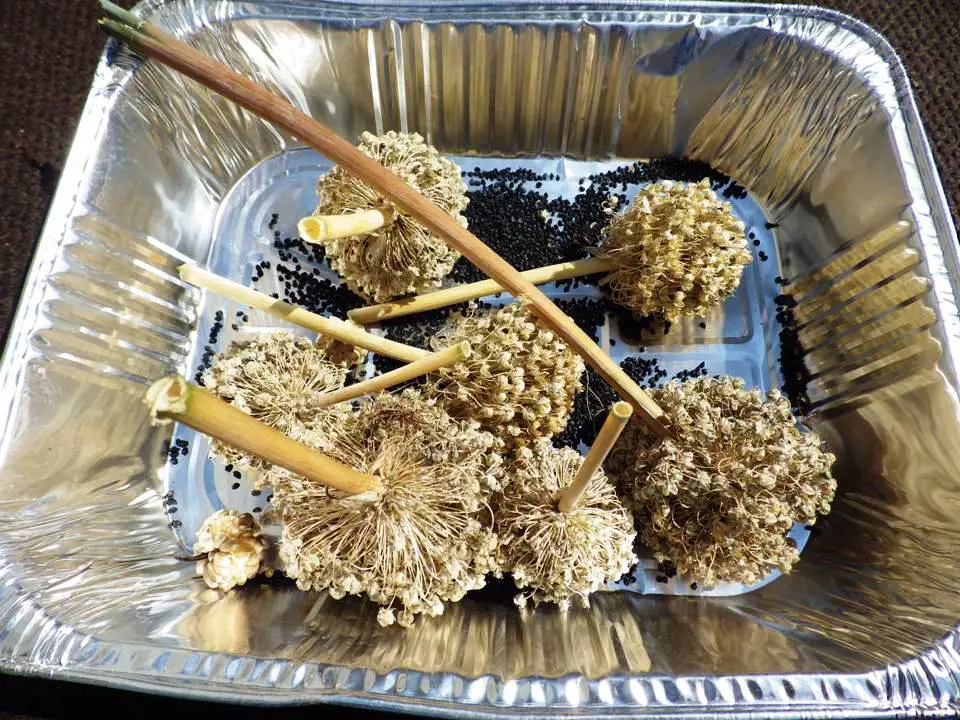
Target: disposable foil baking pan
{"points": [[807, 109]]}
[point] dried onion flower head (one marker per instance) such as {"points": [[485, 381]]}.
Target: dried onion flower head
{"points": [[402, 257], [678, 250], [520, 382], [277, 379], [343, 353], [236, 549], [718, 501], [561, 556], [424, 538]]}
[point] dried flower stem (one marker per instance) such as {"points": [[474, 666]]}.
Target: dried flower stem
{"points": [[180, 56], [317, 228], [431, 363], [616, 421], [174, 399], [124, 16], [555, 556], [472, 291], [329, 327]]}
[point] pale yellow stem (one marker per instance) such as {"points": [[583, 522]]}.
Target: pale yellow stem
{"points": [[472, 291], [612, 427], [174, 399], [317, 228], [444, 358], [328, 327]]}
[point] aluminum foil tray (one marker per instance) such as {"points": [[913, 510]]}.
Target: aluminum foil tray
{"points": [[807, 109]]}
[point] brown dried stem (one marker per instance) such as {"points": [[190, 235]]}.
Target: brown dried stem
{"points": [[180, 56]]}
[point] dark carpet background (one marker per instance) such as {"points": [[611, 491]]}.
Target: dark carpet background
{"points": [[48, 51]]}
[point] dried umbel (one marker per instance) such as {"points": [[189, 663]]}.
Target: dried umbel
{"points": [[423, 539], [520, 382], [677, 250], [277, 379], [342, 353], [560, 556], [402, 257], [719, 500], [235, 549]]}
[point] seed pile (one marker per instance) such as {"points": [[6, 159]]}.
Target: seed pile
{"points": [[503, 210], [424, 539], [170, 507], [403, 256], [302, 281], [793, 367], [174, 451], [587, 313], [718, 502], [530, 229], [209, 348], [560, 557]]}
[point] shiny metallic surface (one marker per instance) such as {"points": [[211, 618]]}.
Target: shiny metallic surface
{"points": [[809, 110]]}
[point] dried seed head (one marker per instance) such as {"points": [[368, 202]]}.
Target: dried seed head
{"points": [[403, 257], [678, 250], [236, 549], [343, 353], [424, 539], [561, 556], [718, 501], [277, 379], [520, 382]]}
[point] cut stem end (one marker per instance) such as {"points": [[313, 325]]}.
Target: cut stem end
{"points": [[318, 228], [174, 399], [616, 421]]}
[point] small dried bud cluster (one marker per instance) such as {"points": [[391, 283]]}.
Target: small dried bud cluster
{"points": [[277, 379], [678, 250], [561, 556], [719, 500], [520, 382], [342, 353], [236, 550], [424, 539], [402, 257]]}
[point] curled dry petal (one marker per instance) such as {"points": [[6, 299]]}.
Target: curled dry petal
{"points": [[235, 549]]}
